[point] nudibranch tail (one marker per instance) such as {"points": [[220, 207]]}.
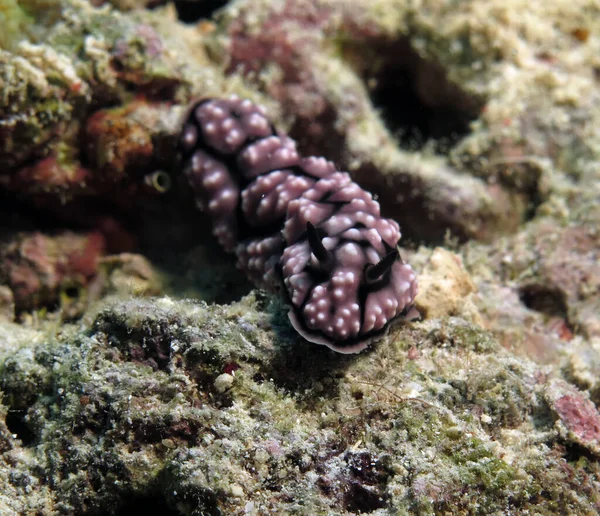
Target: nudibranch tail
{"points": [[298, 223]]}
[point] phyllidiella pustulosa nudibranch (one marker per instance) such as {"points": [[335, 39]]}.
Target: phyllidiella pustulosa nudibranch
{"points": [[298, 223]]}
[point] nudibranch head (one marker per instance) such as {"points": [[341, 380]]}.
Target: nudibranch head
{"points": [[344, 276]]}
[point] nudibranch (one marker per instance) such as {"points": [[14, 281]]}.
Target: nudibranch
{"points": [[297, 225]]}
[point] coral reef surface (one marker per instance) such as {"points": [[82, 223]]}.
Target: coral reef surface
{"points": [[474, 124]]}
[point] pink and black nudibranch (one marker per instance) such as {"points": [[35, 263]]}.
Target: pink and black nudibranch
{"points": [[296, 224]]}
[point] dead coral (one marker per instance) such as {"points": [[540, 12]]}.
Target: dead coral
{"points": [[546, 289], [578, 419], [43, 271], [445, 288], [439, 418], [458, 423]]}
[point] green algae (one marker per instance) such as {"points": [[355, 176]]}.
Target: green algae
{"points": [[478, 466], [13, 20], [26, 20], [454, 333]]}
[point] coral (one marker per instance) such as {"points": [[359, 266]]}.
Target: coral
{"points": [[48, 175], [13, 19], [474, 124], [7, 304], [41, 270], [87, 130], [100, 77], [333, 252], [545, 288], [40, 92], [499, 96], [581, 366], [117, 144], [298, 55], [129, 274], [145, 399]]}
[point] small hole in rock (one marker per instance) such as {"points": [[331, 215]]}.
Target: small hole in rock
{"points": [[541, 298], [417, 102], [190, 11], [413, 122], [72, 292], [361, 499], [16, 424], [151, 504]]}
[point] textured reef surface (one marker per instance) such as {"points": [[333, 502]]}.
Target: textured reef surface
{"points": [[140, 370]]}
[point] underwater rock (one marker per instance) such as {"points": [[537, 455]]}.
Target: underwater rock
{"points": [[146, 397], [445, 286], [43, 270], [472, 121], [578, 418]]}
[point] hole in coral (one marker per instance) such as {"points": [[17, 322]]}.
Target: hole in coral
{"points": [[190, 11], [545, 299], [574, 452], [418, 103], [361, 499], [151, 504], [17, 425], [72, 292], [542, 416]]}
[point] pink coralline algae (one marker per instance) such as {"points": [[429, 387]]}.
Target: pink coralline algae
{"points": [[38, 267], [578, 419], [580, 416], [297, 224]]}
